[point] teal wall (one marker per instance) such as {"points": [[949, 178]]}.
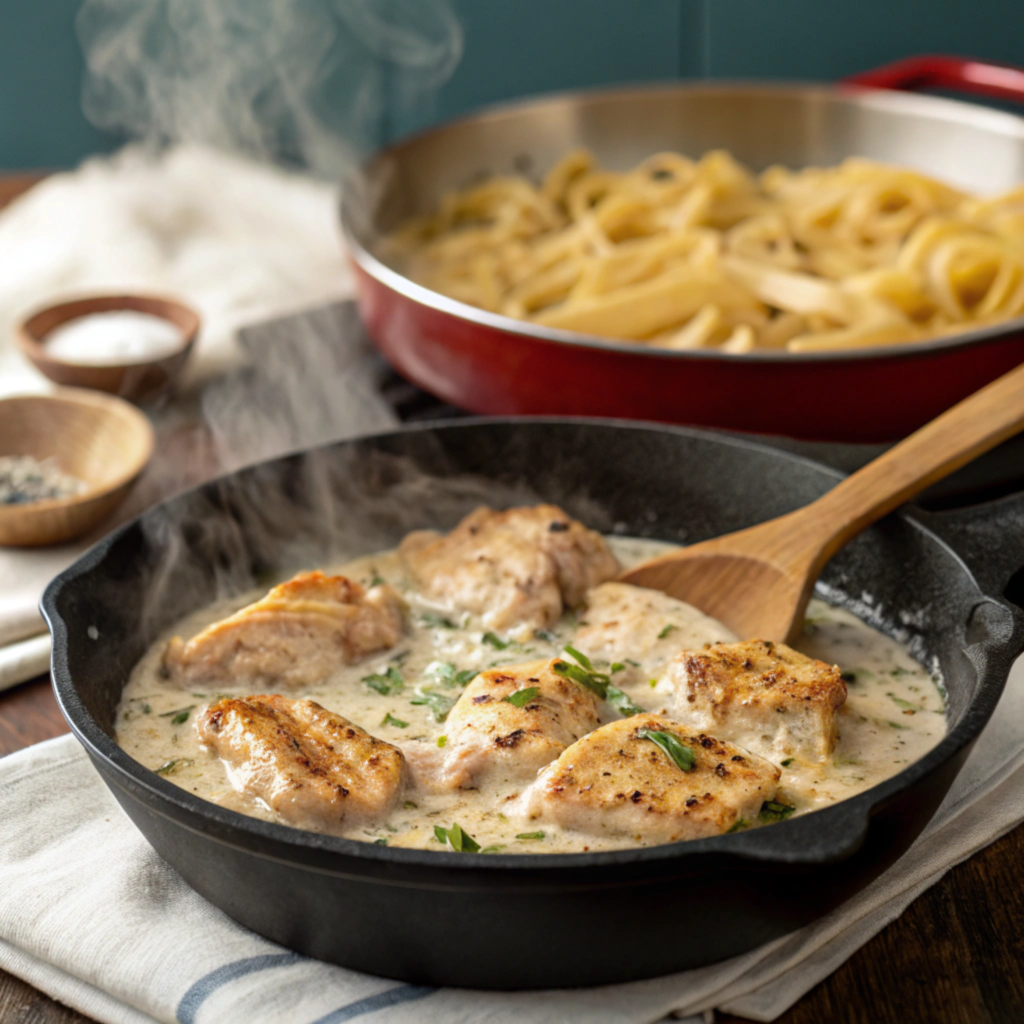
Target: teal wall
{"points": [[518, 47]]}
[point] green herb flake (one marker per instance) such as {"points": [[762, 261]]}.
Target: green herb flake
{"points": [[521, 698], [583, 672], [438, 703], [179, 714], [652, 682], [467, 675], [617, 666], [168, 767], [901, 703], [442, 741], [495, 641], [437, 621], [670, 744], [787, 762], [409, 805], [621, 702], [459, 841], [896, 725], [772, 811], [738, 826], [848, 677], [546, 635], [630, 661], [383, 841], [146, 709], [530, 835], [665, 632], [442, 672], [899, 672], [493, 849], [389, 719], [385, 683]]}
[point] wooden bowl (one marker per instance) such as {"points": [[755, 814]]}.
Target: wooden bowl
{"points": [[134, 381], [102, 440]]}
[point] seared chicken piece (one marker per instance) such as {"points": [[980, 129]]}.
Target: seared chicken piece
{"points": [[522, 565], [315, 768], [763, 695], [491, 739], [298, 634], [623, 623], [615, 781]]}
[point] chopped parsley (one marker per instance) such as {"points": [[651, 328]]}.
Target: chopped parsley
{"points": [[530, 835], [492, 849], [445, 672], [439, 703], [442, 741], [520, 698], [376, 580], [901, 703], [389, 719], [383, 841], [385, 683], [738, 825], [495, 641], [546, 635], [459, 841], [617, 666], [666, 630], [670, 744], [772, 811], [437, 621], [896, 725], [787, 762], [180, 714], [170, 766], [848, 677], [410, 806]]}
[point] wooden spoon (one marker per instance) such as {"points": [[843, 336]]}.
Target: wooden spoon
{"points": [[758, 581]]}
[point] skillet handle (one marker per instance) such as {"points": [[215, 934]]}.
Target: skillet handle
{"points": [[990, 539], [933, 71]]}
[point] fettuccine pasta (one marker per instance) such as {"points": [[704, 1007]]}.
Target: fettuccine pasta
{"points": [[684, 254]]}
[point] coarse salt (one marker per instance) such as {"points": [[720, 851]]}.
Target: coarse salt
{"points": [[120, 336]]}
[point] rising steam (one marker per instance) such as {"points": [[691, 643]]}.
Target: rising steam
{"points": [[311, 82]]}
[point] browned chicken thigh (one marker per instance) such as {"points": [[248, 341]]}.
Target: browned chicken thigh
{"points": [[298, 634], [763, 695], [496, 736], [521, 565], [617, 781], [315, 768]]}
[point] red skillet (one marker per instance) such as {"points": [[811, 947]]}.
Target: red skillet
{"points": [[492, 364]]}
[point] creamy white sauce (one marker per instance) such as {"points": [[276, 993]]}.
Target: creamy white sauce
{"points": [[893, 715]]}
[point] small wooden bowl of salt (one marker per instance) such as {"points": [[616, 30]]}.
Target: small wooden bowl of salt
{"points": [[134, 346]]}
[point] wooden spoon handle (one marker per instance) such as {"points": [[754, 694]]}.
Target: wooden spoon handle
{"points": [[959, 435]]}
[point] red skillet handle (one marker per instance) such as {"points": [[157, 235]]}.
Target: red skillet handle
{"points": [[1000, 81]]}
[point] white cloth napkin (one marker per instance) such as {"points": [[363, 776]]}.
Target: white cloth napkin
{"points": [[90, 914]]}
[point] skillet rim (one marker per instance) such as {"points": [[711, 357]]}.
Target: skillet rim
{"points": [[955, 110], [830, 834]]}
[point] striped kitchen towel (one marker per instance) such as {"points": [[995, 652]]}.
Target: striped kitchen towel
{"points": [[90, 914]]}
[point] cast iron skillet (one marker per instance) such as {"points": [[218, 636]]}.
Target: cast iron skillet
{"points": [[505, 921]]}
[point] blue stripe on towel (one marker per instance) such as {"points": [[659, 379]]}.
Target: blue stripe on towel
{"points": [[194, 998], [381, 1001]]}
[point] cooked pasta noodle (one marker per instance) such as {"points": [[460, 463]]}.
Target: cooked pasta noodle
{"points": [[685, 254]]}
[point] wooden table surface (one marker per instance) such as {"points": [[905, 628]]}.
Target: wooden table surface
{"points": [[955, 957]]}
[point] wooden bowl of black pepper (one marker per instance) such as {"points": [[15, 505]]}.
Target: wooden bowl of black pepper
{"points": [[67, 460]]}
